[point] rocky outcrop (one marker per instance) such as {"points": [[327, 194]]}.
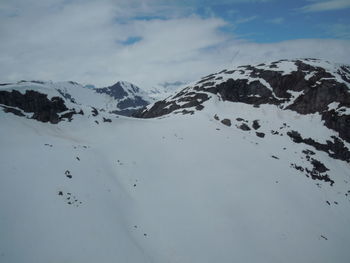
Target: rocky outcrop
{"points": [[335, 149], [129, 97], [116, 91], [160, 108], [305, 89], [43, 109]]}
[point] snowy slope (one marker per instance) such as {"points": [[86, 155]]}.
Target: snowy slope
{"points": [[164, 90], [179, 188]]}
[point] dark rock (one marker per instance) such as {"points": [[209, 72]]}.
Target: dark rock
{"points": [[12, 110], [335, 149], [117, 92], [67, 173], [94, 111], [256, 124], [339, 123], [324, 236], [314, 173], [127, 112], [164, 107], [308, 152], [106, 120], [260, 134], [137, 101], [297, 167], [66, 95], [318, 166], [216, 117], [244, 127], [31, 101], [199, 107], [187, 112], [226, 122]]}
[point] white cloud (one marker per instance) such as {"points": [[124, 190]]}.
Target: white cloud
{"points": [[327, 5], [82, 41]]}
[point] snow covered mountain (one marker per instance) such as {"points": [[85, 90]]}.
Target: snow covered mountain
{"points": [[55, 101], [246, 165], [127, 97], [306, 87]]}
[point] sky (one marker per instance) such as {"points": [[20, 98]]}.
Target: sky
{"points": [[157, 42]]}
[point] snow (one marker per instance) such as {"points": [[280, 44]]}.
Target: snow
{"points": [[329, 67], [169, 190], [340, 110], [284, 66], [333, 106], [179, 188], [294, 96]]}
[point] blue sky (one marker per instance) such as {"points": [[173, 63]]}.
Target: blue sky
{"points": [[150, 42], [274, 21], [271, 20]]}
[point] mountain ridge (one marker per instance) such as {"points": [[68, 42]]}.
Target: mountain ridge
{"points": [[72, 95], [300, 85]]}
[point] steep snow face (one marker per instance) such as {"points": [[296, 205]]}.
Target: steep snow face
{"points": [[179, 189], [248, 180]]}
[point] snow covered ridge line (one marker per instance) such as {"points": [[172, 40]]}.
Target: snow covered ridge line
{"points": [[306, 86], [51, 100]]}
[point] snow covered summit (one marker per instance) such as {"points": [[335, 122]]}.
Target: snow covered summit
{"points": [[128, 96]]}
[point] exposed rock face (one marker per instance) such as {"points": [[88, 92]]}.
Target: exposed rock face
{"points": [[164, 107], [335, 149], [43, 109], [306, 88], [130, 97]]}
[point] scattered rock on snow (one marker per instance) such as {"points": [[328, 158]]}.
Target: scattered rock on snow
{"points": [[226, 122]]}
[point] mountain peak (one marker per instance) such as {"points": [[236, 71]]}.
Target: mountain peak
{"points": [[304, 86]]}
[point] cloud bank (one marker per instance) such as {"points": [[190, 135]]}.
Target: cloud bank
{"points": [[327, 5], [101, 42]]}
